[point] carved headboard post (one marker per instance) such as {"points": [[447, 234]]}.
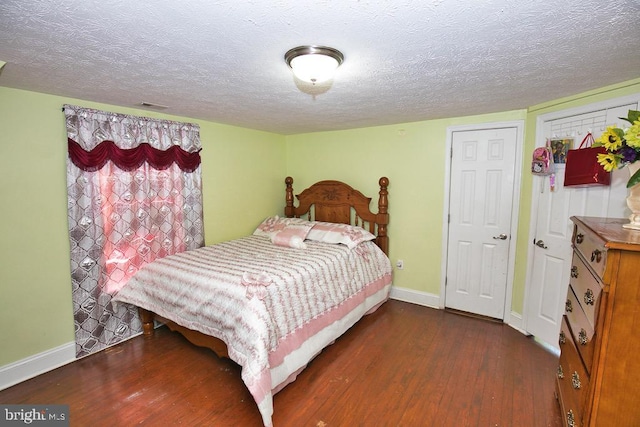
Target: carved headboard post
{"points": [[289, 209], [382, 217]]}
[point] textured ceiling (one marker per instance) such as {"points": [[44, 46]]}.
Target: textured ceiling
{"points": [[404, 60]]}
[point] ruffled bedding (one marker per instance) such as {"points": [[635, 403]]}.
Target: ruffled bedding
{"points": [[276, 307]]}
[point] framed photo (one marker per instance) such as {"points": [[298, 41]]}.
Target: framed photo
{"points": [[559, 148]]}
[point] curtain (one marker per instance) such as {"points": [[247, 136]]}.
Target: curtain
{"points": [[134, 195]]}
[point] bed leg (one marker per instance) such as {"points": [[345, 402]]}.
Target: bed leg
{"points": [[147, 321]]}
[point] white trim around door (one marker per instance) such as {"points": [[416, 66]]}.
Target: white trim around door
{"points": [[519, 126]]}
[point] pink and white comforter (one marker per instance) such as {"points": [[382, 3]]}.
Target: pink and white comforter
{"points": [[275, 307]]}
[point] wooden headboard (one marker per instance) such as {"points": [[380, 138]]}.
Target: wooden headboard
{"points": [[337, 202]]}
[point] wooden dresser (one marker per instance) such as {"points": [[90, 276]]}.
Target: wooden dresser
{"points": [[598, 379]]}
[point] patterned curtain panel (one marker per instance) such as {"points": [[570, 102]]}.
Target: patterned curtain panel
{"points": [[134, 195]]}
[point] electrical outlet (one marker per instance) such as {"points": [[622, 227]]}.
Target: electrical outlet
{"points": [[400, 264]]}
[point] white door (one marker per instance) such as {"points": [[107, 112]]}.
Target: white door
{"points": [[549, 269], [480, 209]]}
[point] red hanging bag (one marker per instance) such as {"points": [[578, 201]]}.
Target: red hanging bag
{"points": [[582, 167]]}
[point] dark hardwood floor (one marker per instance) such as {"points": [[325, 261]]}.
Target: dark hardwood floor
{"points": [[404, 365]]}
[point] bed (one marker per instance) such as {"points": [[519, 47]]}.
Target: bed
{"points": [[273, 300]]}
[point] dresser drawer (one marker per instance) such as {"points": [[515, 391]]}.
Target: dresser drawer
{"points": [[587, 288], [591, 248], [573, 380], [569, 409], [581, 330]]}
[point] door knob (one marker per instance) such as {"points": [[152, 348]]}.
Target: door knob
{"points": [[540, 244], [501, 237]]}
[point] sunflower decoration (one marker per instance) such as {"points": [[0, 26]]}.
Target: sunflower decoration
{"points": [[622, 145]]}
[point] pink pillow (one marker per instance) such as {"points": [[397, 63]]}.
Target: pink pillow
{"points": [[273, 224], [269, 226], [292, 235], [348, 235]]}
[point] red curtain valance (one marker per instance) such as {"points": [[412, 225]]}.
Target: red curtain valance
{"points": [[129, 159]]}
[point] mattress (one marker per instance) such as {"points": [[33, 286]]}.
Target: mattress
{"points": [[275, 307]]}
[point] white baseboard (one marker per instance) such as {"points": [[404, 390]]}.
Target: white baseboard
{"points": [[415, 297], [37, 364], [515, 321]]}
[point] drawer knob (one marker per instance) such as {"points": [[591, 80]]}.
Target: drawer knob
{"points": [[574, 271], [582, 337], [575, 381], [571, 420], [560, 372], [563, 338], [596, 255], [567, 306], [579, 238], [588, 297]]}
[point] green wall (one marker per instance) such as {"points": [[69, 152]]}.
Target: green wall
{"points": [[412, 156], [243, 173], [243, 182]]}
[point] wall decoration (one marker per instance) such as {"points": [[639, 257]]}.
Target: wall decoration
{"points": [[559, 148]]}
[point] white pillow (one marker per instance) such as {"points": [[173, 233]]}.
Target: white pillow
{"points": [[346, 234]]}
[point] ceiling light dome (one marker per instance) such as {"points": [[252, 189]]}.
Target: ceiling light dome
{"points": [[314, 64]]}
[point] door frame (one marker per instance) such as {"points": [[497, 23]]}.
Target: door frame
{"points": [[517, 183], [535, 194]]}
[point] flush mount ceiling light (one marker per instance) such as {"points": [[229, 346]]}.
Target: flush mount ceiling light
{"points": [[313, 64]]}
